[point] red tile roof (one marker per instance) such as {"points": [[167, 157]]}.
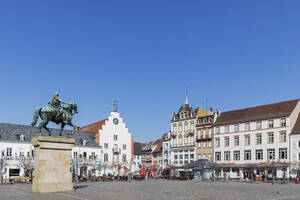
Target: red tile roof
{"points": [[296, 128], [281, 109], [159, 145], [93, 128]]}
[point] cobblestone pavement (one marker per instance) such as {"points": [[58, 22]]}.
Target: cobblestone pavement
{"points": [[159, 190]]}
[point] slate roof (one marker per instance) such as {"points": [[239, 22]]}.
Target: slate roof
{"points": [[138, 148], [11, 132], [264, 112], [296, 128]]}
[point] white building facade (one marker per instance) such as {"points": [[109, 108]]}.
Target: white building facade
{"points": [[115, 138], [166, 151], [17, 152], [255, 142], [182, 142]]}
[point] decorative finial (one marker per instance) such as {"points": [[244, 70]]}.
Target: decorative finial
{"points": [[115, 106], [186, 96]]}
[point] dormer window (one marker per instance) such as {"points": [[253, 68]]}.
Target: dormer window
{"points": [[22, 137], [84, 142]]}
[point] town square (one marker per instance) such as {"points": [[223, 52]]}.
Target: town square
{"points": [[149, 100]]}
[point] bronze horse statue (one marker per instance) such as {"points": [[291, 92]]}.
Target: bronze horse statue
{"points": [[63, 117]]}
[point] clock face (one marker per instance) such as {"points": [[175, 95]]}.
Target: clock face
{"points": [[115, 120]]}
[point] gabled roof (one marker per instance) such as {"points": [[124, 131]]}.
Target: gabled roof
{"points": [[11, 132], [158, 147], [296, 128], [263, 112], [138, 148], [94, 127]]}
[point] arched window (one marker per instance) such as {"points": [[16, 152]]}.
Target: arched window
{"points": [[105, 157], [124, 158]]}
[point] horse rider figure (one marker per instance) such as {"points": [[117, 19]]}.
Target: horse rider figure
{"points": [[55, 103]]}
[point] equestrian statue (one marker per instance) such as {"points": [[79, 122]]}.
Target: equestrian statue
{"points": [[55, 113]]}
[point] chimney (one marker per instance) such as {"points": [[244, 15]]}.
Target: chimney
{"points": [[211, 109]]}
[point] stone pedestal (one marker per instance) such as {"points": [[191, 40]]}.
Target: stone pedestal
{"points": [[52, 164]]}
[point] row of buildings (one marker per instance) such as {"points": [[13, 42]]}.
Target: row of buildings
{"points": [[101, 148], [260, 141], [241, 143]]}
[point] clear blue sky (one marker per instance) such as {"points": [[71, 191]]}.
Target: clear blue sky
{"points": [[143, 53]]}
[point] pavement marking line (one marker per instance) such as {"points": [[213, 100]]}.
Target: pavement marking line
{"points": [[73, 197]]}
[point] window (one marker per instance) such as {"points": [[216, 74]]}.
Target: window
{"points": [[236, 140], [209, 144], [258, 125], [93, 156], [75, 154], [247, 127], [227, 155], [180, 128], [8, 151], [185, 127], [218, 142], [175, 157], [271, 138], [271, 154], [180, 139], [186, 162], [199, 145], [283, 137], [106, 145], [204, 133], [236, 128], [283, 122], [236, 155], [192, 127], [209, 156], [217, 130], [186, 156], [258, 138], [226, 141], [105, 157], [282, 153], [204, 144], [271, 123], [22, 137], [174, 129], [199, 134], [247, 139], [218, 156], [180, 156], [186, 140], [115, 137], [124, 146], [124, 158], [21, 153], [226, 129], [192, 156], [209, 133], [258, 154], [247, 155]]}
